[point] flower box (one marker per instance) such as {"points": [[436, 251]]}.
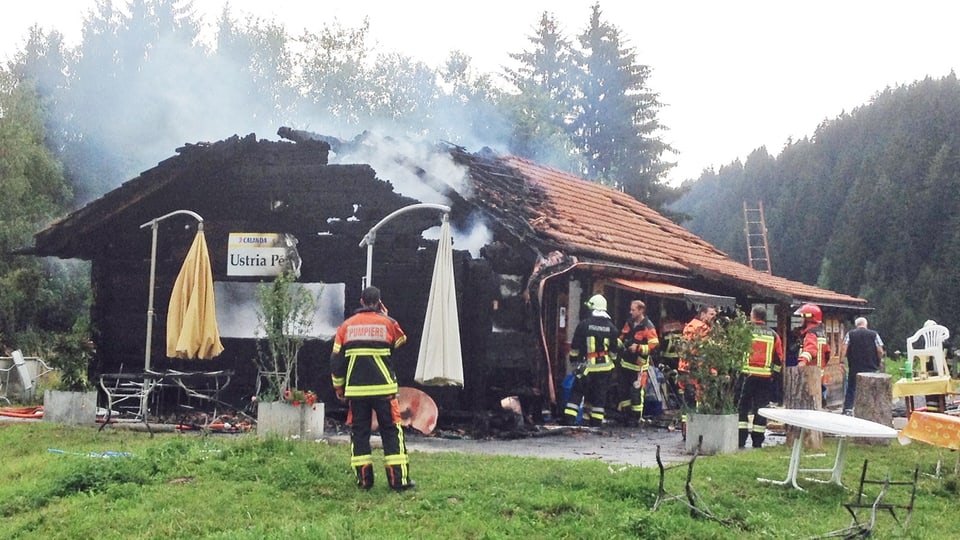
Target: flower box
{"points": [[284, 419]]}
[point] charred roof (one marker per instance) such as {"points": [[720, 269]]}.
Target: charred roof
{"points": [[542, 208]]}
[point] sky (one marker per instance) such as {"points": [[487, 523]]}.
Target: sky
{"points": [[733, 76]]}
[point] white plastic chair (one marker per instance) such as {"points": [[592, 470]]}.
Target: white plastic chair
{"points": [[28, 379], [933, 336]]}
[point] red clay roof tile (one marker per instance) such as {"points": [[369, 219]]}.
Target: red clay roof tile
{"points": [[592, 220]]}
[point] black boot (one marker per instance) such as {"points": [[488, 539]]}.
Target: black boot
{"points": [[742, 438], [757, 439], [397, 475], [364, 476]]}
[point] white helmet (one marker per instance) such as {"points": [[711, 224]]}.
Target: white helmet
{"points": [[597, 302]]}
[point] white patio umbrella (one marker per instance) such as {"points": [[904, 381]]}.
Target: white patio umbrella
{"points": [[440, 362]]}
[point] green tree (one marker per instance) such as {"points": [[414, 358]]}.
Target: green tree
{"points": [[544, 86], [35, 191], [615, 121], [403, 92], [255, 57], [333, 70], [865, 206], [469, 104], [123, 103]]}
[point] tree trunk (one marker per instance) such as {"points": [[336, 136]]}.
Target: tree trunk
{"points": [[872, 402], [802, 391]]}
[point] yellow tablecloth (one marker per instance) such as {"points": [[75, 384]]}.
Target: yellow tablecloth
{"points": [[932, 428], [932, 386]]}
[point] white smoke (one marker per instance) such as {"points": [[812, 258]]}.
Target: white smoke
{"points": [[409, 166], [471, 238]]}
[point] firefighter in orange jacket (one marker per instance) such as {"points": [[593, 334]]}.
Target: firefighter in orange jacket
{"points": [[364, 377], [814, 349], [756, 377], [639, 338], [696, 329]]}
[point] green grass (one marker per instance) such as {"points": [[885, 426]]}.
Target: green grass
{"points": [[241, 487]]}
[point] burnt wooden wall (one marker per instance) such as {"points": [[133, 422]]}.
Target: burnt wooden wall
{"points": [[258, 186]]}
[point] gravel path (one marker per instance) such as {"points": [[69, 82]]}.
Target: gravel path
{"points": [[617, 446]]}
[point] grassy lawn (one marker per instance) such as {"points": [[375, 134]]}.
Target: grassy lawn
{"points": [[55, 484]]}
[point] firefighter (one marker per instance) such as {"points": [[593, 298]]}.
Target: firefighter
{"points": [[814, 349], [593, 352], [639, 339], [695, 330], [756, 377], [364, 377]]}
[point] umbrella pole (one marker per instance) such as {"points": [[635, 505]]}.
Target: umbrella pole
{"points": [[153, 278], [153, 224], [371, 236]]}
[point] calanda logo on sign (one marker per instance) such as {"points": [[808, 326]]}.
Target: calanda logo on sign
{"points": [[260, 254]]}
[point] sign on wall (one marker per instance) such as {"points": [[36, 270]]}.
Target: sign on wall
{"points": [[261, 254]]}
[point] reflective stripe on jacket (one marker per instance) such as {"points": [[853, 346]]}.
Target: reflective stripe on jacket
{"points": [[644, 335], [766, 355], [596, 341], [361, 358], [814, 349]]}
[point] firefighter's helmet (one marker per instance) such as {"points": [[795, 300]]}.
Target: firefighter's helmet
{"points": [[810, 312], [597, 302]]}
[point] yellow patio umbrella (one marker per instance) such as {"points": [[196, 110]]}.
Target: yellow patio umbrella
{"points": [[192, 330]]}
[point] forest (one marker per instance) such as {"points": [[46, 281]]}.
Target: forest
{"points": [[864, 206]]}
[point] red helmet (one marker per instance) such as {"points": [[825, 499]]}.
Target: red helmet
{"points": [[810, 312]]}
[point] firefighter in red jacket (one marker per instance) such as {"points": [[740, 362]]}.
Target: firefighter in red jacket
{"points": [[756, 376], [814, 349], [364, 377], [639, 339]]}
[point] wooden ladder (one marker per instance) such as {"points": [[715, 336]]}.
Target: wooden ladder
{"points": [[758, 251]]}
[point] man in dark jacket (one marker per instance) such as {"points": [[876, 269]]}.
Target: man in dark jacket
{"points": [[863, 350], [593, 352], [364, 377]]}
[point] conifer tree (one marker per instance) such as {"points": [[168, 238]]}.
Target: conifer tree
{"points": [[615, 117]]}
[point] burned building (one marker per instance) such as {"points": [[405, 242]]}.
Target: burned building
{"points": [[549, 240]]}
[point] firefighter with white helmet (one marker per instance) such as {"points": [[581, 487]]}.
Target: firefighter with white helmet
{"points": [[593, 353]]}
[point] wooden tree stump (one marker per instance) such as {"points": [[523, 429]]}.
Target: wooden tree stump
{"points": [[871, 401], [801, 390]]}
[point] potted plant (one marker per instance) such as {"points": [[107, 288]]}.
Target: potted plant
{"points": [[285, 314], [716, 360], [71, 397]]}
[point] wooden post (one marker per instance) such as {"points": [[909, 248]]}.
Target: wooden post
{"points": [[801, 390], [872, 402]]}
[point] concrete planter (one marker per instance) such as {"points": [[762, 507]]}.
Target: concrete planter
{"points": [[70, 408], [282, 419], [719, 433]]}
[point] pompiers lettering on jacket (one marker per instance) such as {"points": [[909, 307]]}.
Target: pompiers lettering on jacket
{"points": [[367, 332], [361, 360], [598, 328]]}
